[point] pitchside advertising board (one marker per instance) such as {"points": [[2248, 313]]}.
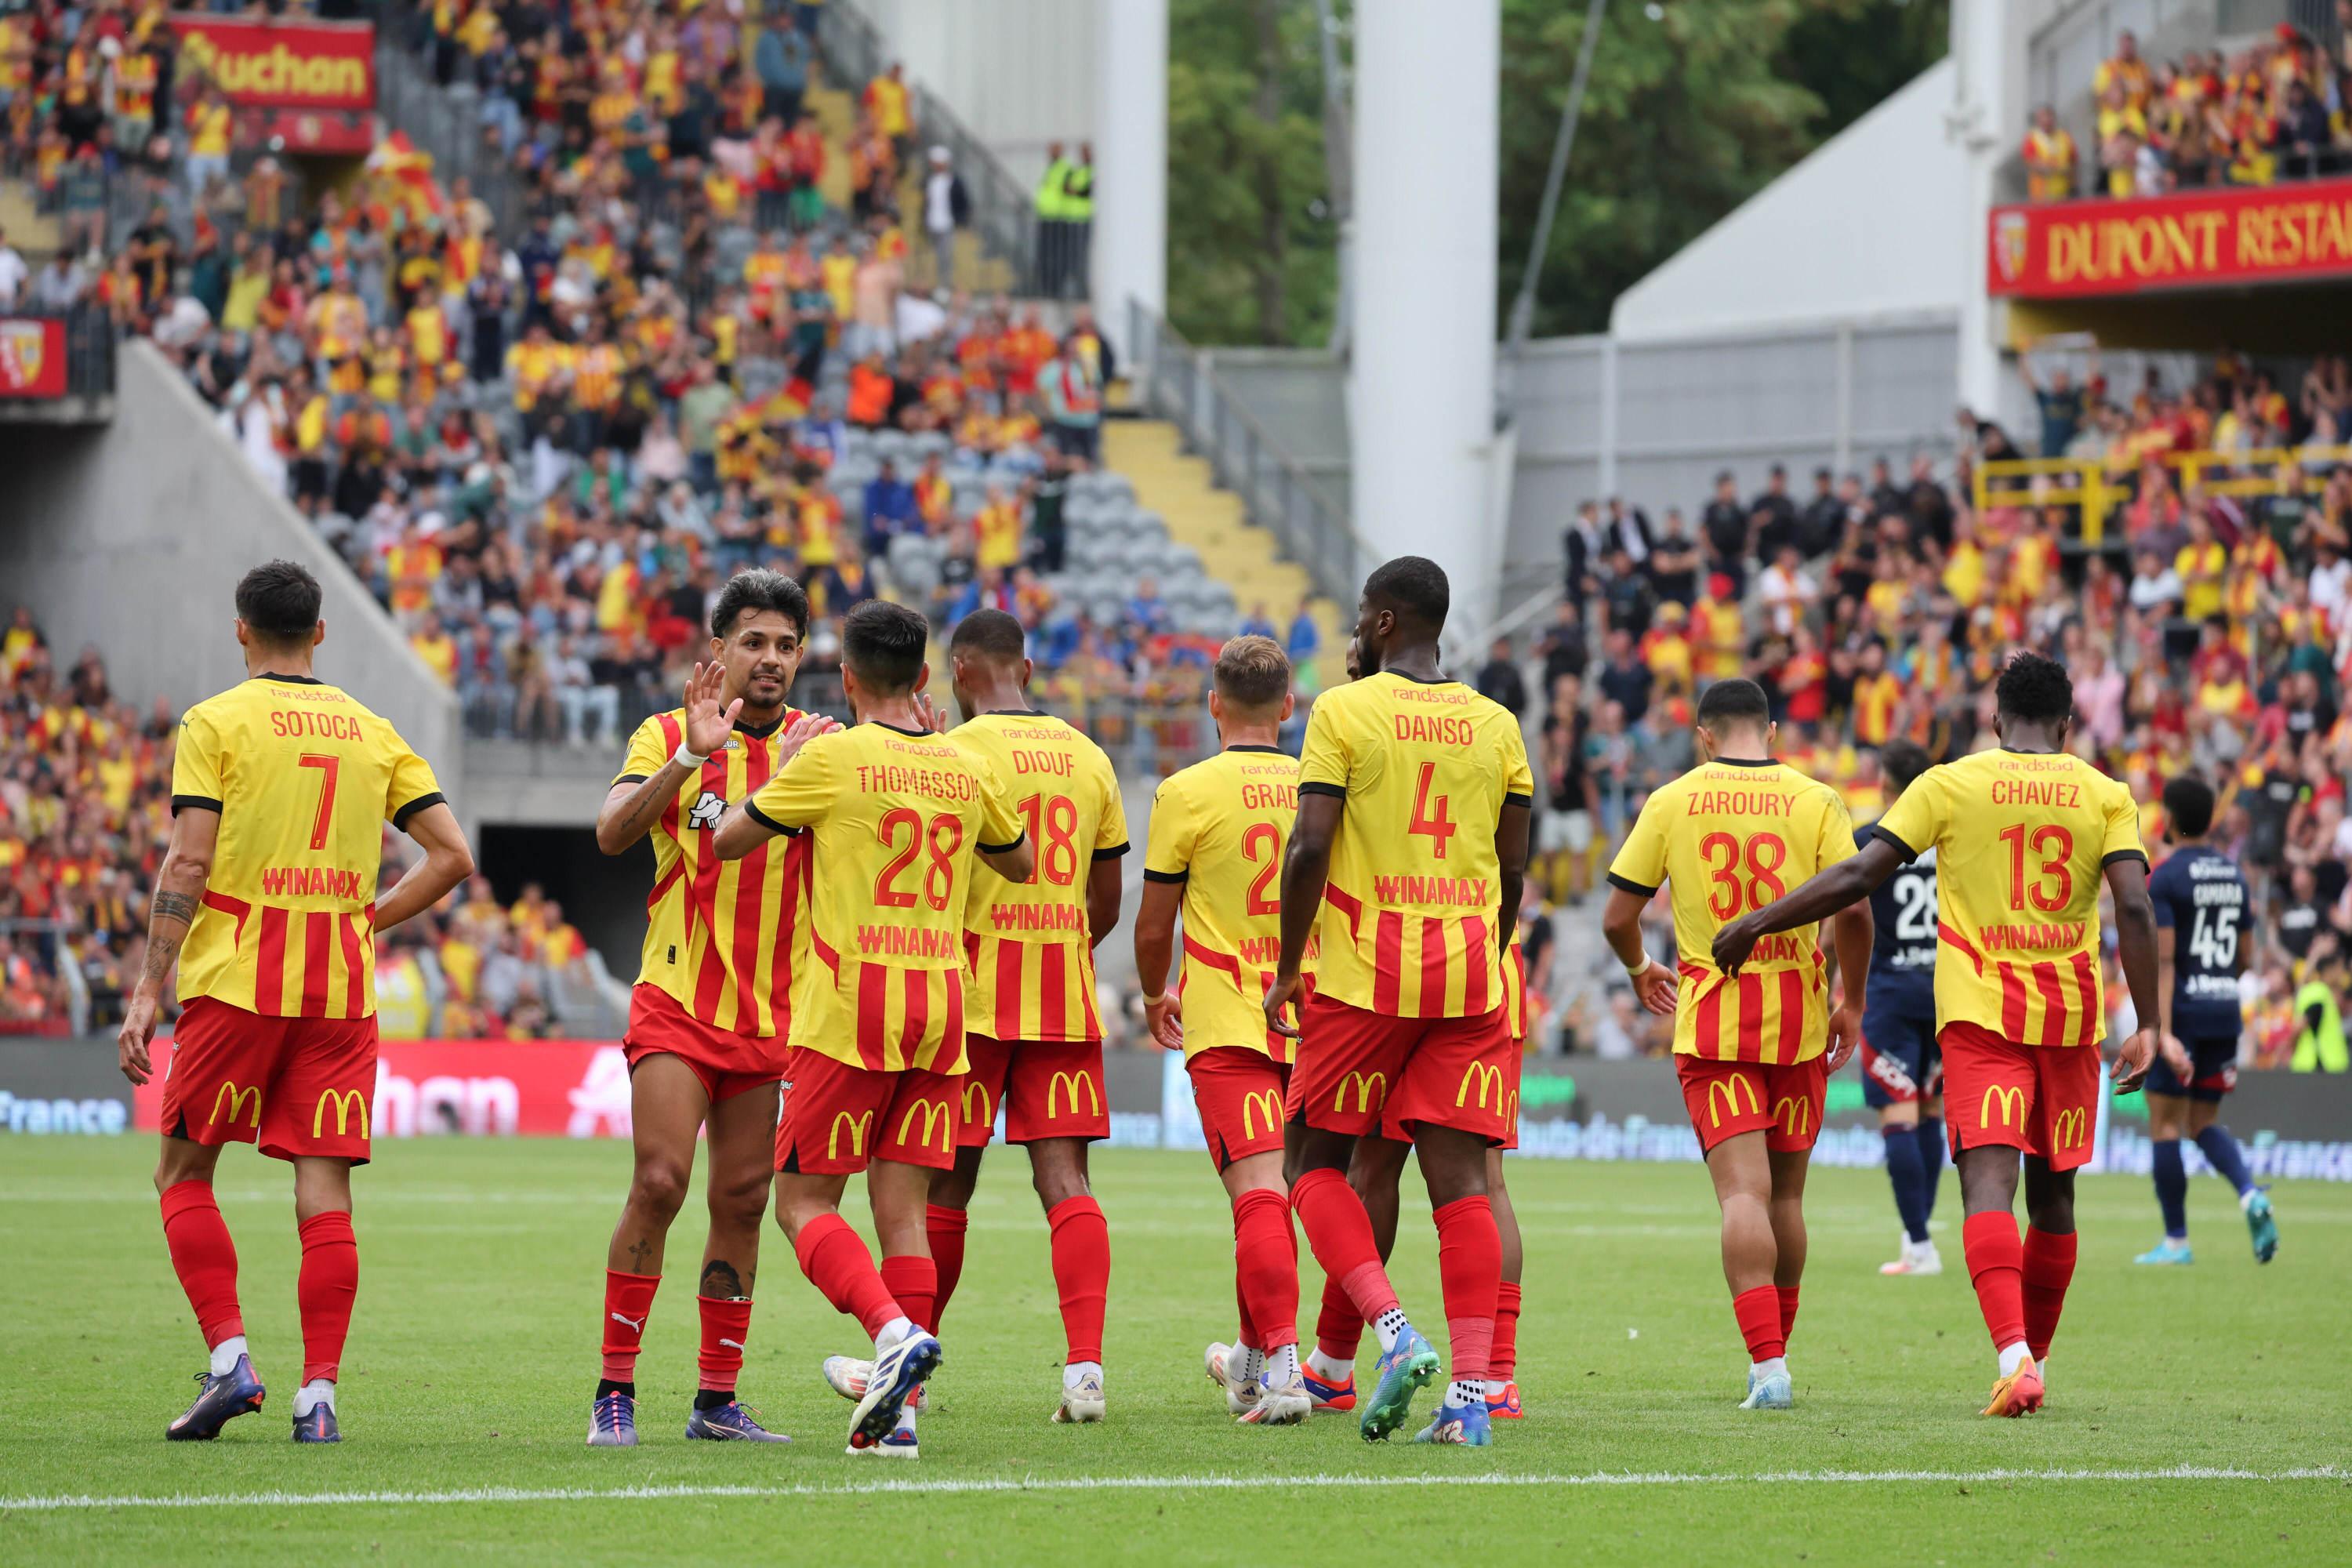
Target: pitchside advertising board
{"points": [[2293, 1124], [32, 357], [310, 86], [2189, 239]]}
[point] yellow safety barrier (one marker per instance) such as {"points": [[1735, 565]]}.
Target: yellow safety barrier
{"points": [[2085, 483]]}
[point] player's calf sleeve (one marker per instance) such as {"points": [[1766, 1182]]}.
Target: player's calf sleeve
{"points": [[1081, 1245], [2221, 1152], [2171, 1185], [1759, 1311], [914, 1283], [1470, 1271], [1338, 1327], [726, 1325], [838, 1264], [2047, 1266], [1931, 1163], [1339, 1233], [1788, 1312], [1907, 1175], [1505, 1361], [1997, 1265], [329, 1283], [203, 1257], [945, 1228], [1266, 1270], [628, 1302]]}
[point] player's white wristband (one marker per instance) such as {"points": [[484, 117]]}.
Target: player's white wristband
{"points": [[1155, 1001], [1635, 971], [684, 758]]}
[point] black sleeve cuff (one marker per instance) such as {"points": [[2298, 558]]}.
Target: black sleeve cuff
{"points": [[400, 819], [1112, 853], [1338, 792], [632, 778], [1514, 797], [1879, 830], [181, 802], [2138, 855], [1003, 848], [1173, 877], [1630, 886], [764, 819]]}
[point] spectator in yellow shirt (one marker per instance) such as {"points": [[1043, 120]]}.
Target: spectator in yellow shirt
{"points": [[2200, 565], [996, 532], [434, 646]]}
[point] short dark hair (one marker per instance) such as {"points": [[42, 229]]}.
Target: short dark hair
{"points": [[1413, 584], [2035, 688], [278, 600], [1737, 700], [756, 588], [990, 634], [1253, 674], [2189, 806], [1902, 761], [882, 643]]}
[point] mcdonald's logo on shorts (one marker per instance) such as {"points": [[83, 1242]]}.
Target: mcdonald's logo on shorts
{"points": [[937, 1115], [2071, 1128], [1489, 1080], [1511, 1113], [345, 1099], [1069, 1083], [1794, 1113], [856, 1125], [245, 1102], [983, 1111], [1371, 1090], [2012, 1100], [1732, 1087], [1261, 1104]]}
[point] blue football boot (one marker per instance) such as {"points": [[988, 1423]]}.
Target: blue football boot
{"points": [[2262, 1225], [1402, 1370], [1769, 1391], [226, 1396], [319, 1426], [1467, 1425], [612, 1422], [729, 1422], [2167, 1253]]}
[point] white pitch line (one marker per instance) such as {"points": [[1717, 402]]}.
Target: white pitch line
{"points": [[70, 1502]]}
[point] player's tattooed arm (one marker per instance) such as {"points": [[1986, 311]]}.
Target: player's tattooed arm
{"points": [[631, 809], [167, 928], [179, 890]]}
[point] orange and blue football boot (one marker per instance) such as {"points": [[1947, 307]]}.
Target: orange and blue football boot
{"points": [[319, 1426], [1465, 1424], [613, 1421], [1505, 1406], [1331, 1398], [1404, 1369], [2019, 1394], [226, 1396], [729, 1422]]}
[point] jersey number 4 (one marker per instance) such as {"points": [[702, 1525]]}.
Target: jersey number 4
{"points": [[1429, 814]]}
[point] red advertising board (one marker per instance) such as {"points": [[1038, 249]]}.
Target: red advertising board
{"points": [[2236, 235], [310, 84], [577, 1088], [32, 357]]}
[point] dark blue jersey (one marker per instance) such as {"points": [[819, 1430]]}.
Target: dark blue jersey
{"points": [[1903, 953], [2199, 893]]}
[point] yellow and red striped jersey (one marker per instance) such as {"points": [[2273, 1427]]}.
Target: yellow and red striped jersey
{"points": [[304, 776], [1220, 828], [722, 936], [1515, 989], [2022, 841], [1425, 768], [1728, 836], [1026, 944], [894, 820]]}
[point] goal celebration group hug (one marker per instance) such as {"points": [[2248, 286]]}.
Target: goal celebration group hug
{"points": [[866, 946]]}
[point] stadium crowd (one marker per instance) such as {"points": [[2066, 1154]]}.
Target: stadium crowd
{"points": [[2280, 109]]}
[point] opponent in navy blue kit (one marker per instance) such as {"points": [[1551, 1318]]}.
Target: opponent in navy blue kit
{"points": [[1901, 1066], [2202, 908]]}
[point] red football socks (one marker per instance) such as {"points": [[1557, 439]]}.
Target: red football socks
{"points": [[914, 1283], [628, 1301], [1470, 1271], [203, 1257], [2048, 1267], [946, 1229], [324, 1290], [1338, 1327], [726, 1325], [1505, 1361], [1759, 1311], [1787, 1310], [1339, 1233], [1266, 1268], [1081, 1242], [838, 1264], [1997, 1264]]}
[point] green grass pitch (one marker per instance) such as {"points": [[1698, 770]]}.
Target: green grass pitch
{"points": [[2203, 1412]]}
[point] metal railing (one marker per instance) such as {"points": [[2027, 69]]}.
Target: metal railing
{"points": [[2085, 483], [1180, 384]]}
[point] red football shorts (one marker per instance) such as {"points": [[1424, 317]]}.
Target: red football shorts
{"points": [[1358, 1072], [1783, 1100], [2043, 1099], [725, 1063], [837, 1117], [1391, 1127], [1049, 1088], [292, 1086], [1240, 1095]]}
